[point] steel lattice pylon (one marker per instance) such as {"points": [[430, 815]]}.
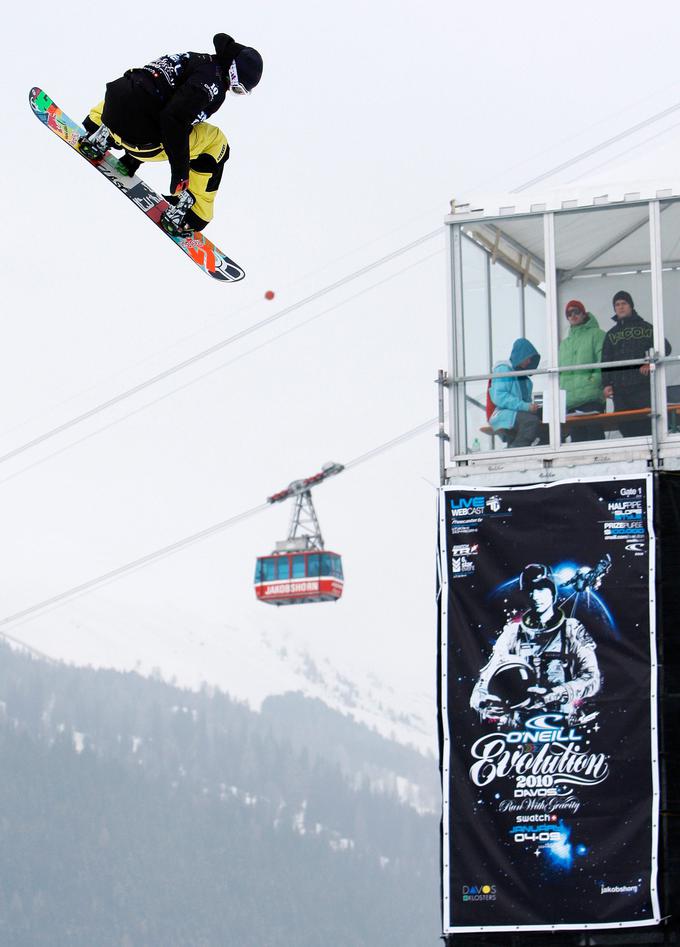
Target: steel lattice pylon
{"points": [[304, 531], [304, 523]]}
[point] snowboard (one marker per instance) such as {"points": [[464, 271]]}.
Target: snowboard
{"points": [[197, 247]]}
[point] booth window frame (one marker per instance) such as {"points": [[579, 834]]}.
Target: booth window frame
{"points": [[458, 379]]}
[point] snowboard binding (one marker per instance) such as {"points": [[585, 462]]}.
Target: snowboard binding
{"points": [[173, 218], [95, 145]]}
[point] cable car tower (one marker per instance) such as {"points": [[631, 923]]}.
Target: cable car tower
{"points": [[300, 570]]}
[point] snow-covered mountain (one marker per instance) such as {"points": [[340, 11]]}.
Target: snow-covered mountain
{"points": [[248, 660], [135, 811]]}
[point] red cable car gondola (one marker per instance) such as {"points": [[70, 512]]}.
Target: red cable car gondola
{"points": [[300, 570], [296, 578]]}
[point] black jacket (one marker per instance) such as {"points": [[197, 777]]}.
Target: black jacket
{"points": [[631, 337], [182, 90]]}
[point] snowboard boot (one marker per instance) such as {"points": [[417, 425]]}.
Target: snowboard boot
{"points": [[174, 218], [95, 145], [129, 164], [192, 221]]}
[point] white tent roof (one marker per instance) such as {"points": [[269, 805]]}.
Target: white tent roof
{"points": [[583, 242]]}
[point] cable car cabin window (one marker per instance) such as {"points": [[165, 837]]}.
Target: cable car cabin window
{"points": [[298, 567], [314, 565], [265, 570], [283, 567], [331, 565]]}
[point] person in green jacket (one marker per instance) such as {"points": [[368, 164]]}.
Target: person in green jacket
{"points": [[582, 346]]}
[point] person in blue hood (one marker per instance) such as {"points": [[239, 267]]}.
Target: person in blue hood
{"points": [[516, 415]]}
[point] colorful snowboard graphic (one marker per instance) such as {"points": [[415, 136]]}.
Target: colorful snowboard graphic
{"points": [[201, 250]]}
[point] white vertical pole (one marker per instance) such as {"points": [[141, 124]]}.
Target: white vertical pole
{"points": [[553, 336], [657, 378], [457, 412]]}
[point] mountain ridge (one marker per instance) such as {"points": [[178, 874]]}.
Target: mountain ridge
{"points": [[134, 812]]}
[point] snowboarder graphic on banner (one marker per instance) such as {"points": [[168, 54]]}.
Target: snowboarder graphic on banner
{"points": [[159, 112], [542, 660]]}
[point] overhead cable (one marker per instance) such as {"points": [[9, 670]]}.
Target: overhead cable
{"points": [[626, 151], [131, 566], [591, 151], [116, 399], [218, 346], [218, 368], [181, 544]]}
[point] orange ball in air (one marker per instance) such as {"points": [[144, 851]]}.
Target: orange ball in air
{"points": [[269, 294]]}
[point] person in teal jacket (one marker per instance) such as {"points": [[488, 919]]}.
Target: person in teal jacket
{"points": [[515, 417], [582, 346]]}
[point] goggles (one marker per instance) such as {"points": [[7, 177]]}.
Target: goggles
{"points": [[234, 85]]}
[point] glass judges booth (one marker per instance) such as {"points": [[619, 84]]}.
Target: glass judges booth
{"points": [[565, 329]]}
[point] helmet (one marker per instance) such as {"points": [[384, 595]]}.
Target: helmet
{"points": [[537, 576], [509, 683], [242, 64]]}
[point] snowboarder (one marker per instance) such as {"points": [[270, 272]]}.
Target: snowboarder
{"points": [[159, 112]]}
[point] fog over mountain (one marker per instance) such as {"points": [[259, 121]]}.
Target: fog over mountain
{"points": [[250, 658], [136, 812]]}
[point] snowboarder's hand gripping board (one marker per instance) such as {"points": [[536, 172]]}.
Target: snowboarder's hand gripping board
{"points": [[201, 250]]}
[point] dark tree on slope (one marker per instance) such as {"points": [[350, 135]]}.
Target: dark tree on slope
{"points": [[176, 825]]}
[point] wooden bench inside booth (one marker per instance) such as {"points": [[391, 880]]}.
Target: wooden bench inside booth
{"points": [[612, 420], [607, 420]]}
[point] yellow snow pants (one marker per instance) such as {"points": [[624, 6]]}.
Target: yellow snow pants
{"points": [[208, 151]]}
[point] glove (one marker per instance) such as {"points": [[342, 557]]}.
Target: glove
{"points": [[176, 187]]}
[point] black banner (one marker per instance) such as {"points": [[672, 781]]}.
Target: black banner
{"points": [[548, 706]]}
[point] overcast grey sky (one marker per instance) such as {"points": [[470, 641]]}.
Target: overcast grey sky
{"points": [[368, 120]]}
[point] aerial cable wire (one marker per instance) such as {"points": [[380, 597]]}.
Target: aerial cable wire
{"points": [[202, 534], [569, 138], [388, 445], [180, 544], [131, 566], [116, 399], [224, 524], [246, 307], [621, 154], [218, 368], [217, 346], [28, 647], [589, 152]]}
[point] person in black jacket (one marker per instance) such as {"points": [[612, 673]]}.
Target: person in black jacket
{"points": [[628, 386], [159, 112]]}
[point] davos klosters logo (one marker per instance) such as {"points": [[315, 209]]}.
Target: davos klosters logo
{"points": [[483, 892]]}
